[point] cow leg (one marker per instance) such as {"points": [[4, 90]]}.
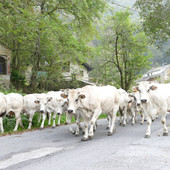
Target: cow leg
{"points": [[54, 117], [69, 123], [96, 114], [109, 122], [66, 118], [142, 118], [59, 119], [30, 120], [49, 119], [165, 130], [78, 125], [113, 118], [39, 118], [124, 118], [1, 125], [133, 116], [18, 119], [42, 123], [148, 132], [85, 137]]}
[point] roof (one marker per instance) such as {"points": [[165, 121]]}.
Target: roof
{"points": [[88, 67], [155, 72]]}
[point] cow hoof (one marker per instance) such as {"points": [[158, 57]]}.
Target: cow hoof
{"points": [[41, 128], [84, 139], [73, 133], [66, 123], [141, 123], [123, 125], [165, 134], [53, 127], [120, 124], [83, 133], [76, 135], [107, 128], [58, 125], [110, 133], [90, 137], [132, 124], [147, 136]]}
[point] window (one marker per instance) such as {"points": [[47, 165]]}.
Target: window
{"points": [[2, 65]]}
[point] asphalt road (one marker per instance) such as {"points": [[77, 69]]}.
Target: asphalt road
{"points": [[58, 149]]}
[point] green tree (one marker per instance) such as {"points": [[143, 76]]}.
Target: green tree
{"points": [[124, 47], [46, 33], [155, 18]]}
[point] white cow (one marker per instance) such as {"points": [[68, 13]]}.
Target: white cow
{"points": [[69, 94], [155, 99], [52, 102], [92, 101], [138, 107], [30, 107], [15, 105], [123, 106], [3, 107]]}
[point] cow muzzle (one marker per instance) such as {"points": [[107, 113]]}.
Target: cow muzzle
{"points": [[138, 104], [143, 100], [70, 111], [58, 114], [41, 111]]}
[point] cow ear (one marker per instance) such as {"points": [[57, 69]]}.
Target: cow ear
{"points": [[49, 99], [153, 87], [82, 96], [63, 95], [134, 89], [37, 101]]}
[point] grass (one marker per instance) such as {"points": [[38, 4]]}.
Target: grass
{"points": [[9, 123]]}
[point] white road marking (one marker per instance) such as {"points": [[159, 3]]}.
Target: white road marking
{"points": [[21, 157]]}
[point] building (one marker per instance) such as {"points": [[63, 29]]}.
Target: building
{"points": [[5, 57], [160, 74], [78, 71]]}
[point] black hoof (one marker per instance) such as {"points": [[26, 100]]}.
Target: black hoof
{"points": [[120, 124], [90, 137], [141, 123], [83, 133], [110, 133], [66, 123], [41, 128], [57, 125], [84, 139], [53, 127], [165, 134], [147, 136], [107, 128], [76, 135], [73, 133], [123, 125], [132, 124]]}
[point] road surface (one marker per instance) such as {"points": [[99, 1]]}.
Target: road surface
{"points": [[58, 149]]}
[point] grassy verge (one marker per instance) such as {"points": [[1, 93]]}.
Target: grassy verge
{"points": [[9, 123]]}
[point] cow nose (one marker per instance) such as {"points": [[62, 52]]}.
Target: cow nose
{"points": [[138, 104], [143, 100], [41, 111], [70, 111]]}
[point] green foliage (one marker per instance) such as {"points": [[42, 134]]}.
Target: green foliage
{"points": [[44, 34], [17, 79], [123, 52], [155, 17]]}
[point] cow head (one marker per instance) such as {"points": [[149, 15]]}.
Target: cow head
{"points": [[43, 102], [144, 88]]}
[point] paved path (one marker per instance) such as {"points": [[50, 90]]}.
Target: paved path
{"points": [[57, 149]]}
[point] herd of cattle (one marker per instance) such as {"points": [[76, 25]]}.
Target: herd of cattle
{"points": [[148, 99]]}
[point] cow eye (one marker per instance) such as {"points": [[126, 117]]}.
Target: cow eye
{"points": [[148, 90], [76, 100]]}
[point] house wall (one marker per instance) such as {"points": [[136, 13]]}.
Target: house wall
{"points": [[5, 53], [80, 72]]}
